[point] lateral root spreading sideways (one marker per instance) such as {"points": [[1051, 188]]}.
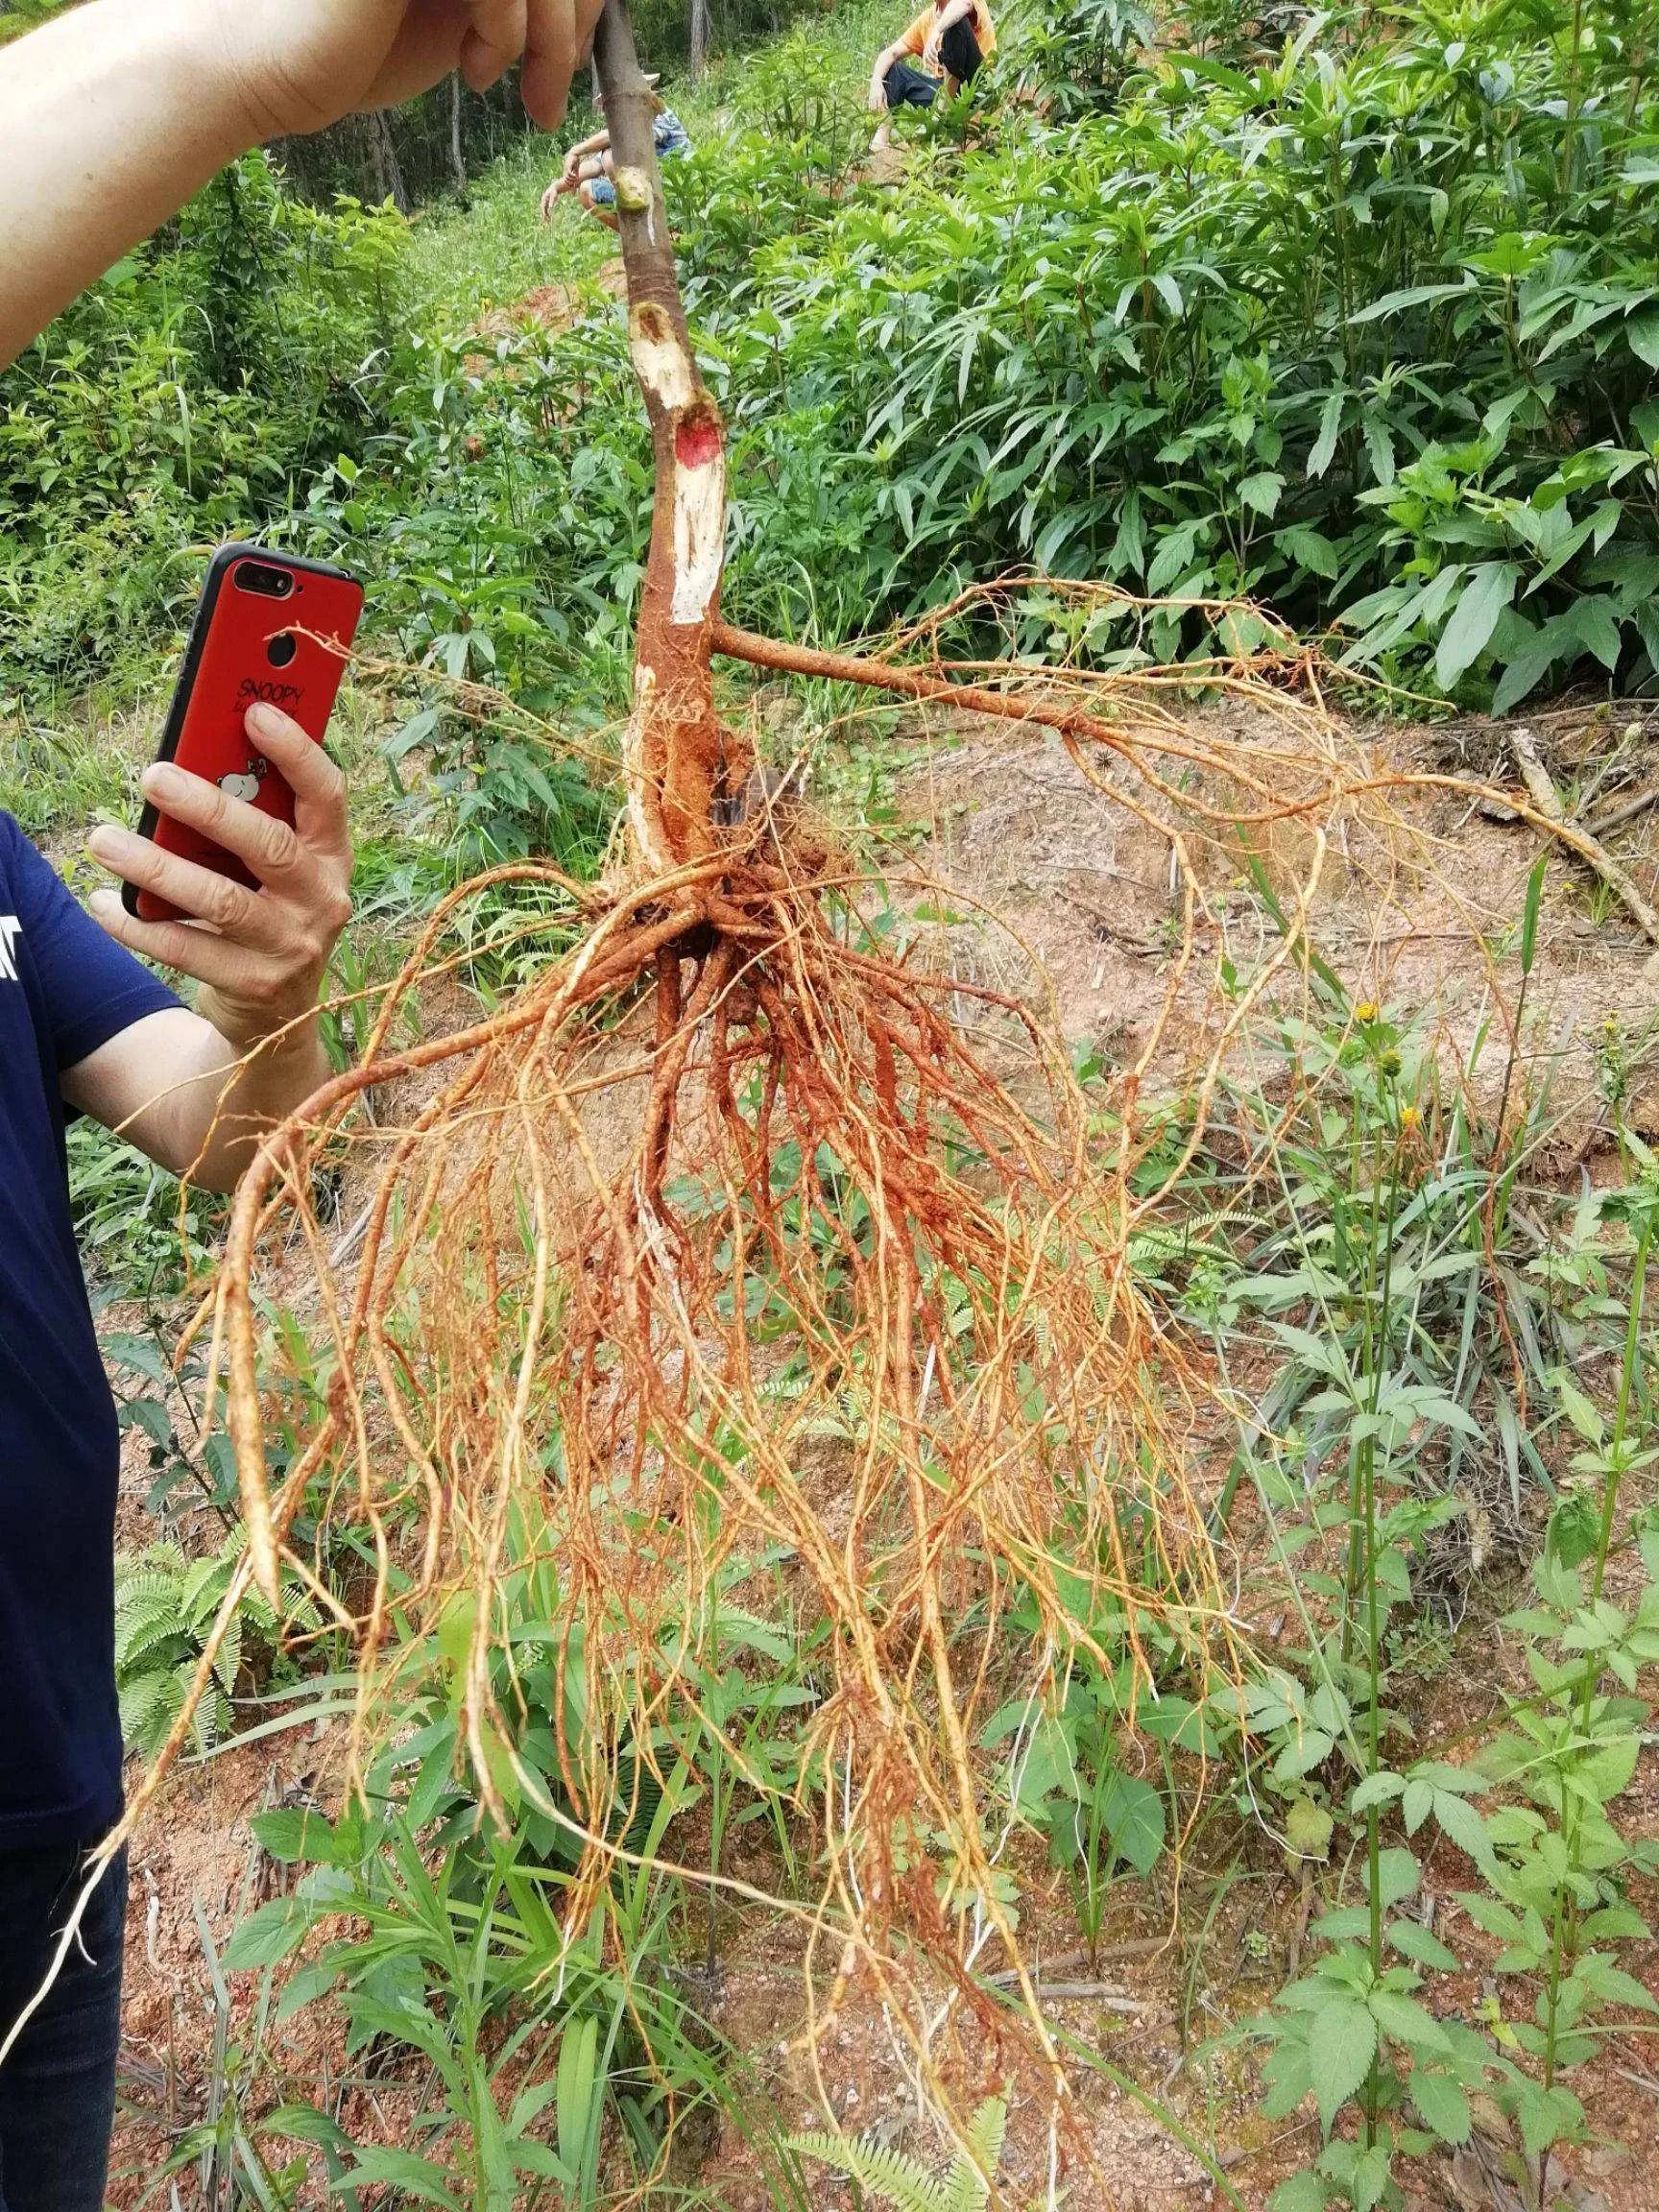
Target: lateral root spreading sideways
{"points": [[737, 1255]]}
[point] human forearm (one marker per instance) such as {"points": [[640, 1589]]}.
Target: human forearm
{"points": [[197, 1091], [209, 1091], [110, 117], [253, 1085]]}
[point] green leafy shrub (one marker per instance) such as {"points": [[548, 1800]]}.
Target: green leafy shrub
{"points": [[1367, 332], [1078, 56], [130, 1224], [183, 397]]}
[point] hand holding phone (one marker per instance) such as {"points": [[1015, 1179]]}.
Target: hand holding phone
{"points": [[271, 629], [239, 873]]}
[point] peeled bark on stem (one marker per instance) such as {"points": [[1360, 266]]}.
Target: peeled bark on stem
{"points": [[674, 752]]}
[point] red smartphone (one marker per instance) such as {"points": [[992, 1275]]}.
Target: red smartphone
{"points": [[268, 626]]}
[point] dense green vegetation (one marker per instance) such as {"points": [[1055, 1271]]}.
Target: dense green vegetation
{"points": [[1360, 323], [1363, 328]]}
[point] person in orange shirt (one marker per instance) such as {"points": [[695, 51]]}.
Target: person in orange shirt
{"points": [[948, 41]]}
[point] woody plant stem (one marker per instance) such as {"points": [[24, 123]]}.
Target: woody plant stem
{"points": [[674, 754]]}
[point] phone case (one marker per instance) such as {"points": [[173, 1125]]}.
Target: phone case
{"points": [[245, 646]]}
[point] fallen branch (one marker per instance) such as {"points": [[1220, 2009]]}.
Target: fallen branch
{"points": [[1542, 791], [1619, 812], [1103, 1994]]}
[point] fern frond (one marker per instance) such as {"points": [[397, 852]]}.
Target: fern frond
{"points": [[148, 1592], [736, 1624], [148, 1706], [986, 2132], [892, 2175], [212, 1720], [150, 1640], [204, 1585], [227, 1663]]}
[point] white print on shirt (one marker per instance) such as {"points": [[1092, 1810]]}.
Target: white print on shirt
{"points": [[10, 929]]}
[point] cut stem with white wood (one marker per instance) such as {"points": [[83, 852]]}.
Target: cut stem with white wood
{"points": [[674, 755]]}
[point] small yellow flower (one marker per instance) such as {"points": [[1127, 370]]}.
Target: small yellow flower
{"points": [[1366, 1010], [1409, 1118]]}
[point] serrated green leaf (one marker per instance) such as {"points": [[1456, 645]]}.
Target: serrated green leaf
{"points": [[1300, 2193], [1381, 1789], [1398, 1874], [292, 1834], [1441, 2104], [1461, 1822], [1307, 1829], [1546, 2115], [268, 1935], [1324, 451], [1261, 491], [1413, 1941], [1406, 2021], [1342, 2044]]}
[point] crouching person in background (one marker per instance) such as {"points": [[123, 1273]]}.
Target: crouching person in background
{"points": [[588, 171], [948, 43]]}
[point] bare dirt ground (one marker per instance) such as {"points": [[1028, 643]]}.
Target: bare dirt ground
{"points": [[1001, 820], [1419, 922]]}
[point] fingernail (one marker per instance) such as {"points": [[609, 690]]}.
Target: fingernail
{"points": [[104, 841], [163, 780]]}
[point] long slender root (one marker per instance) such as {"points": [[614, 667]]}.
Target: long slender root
{"points": [[723, 1272], [723, 1278]]}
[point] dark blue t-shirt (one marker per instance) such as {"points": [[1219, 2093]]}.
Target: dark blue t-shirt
{"points": [[66, 988]]}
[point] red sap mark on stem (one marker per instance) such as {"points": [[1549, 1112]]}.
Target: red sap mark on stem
{"points": [[697, 441]]}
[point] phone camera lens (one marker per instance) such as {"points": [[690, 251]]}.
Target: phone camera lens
{"points": [[262, 577], [282, 649]]}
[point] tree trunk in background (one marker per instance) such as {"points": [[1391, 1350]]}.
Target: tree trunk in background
{"points": [[457, 153], [377, 187], [699, 37], [383, 158], [400, 196]]}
